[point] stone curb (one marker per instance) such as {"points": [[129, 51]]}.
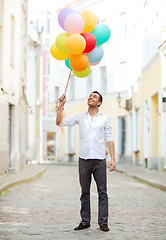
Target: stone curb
{"points": [[140, 179], [153, 184], [28, 179]]}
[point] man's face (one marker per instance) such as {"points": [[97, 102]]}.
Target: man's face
{"points": [[93, 100]]}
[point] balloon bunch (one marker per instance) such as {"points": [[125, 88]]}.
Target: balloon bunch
{"points": [[80, 44]]}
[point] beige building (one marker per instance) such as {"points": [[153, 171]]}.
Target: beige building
{"points": [[13, 103]]}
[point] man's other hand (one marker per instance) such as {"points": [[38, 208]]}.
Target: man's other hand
{"points": [[112, 166]]}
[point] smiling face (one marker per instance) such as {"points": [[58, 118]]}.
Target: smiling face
{"points": [[93, 100]]}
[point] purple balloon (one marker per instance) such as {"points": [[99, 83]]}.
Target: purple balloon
{"points": [[63, 14]]}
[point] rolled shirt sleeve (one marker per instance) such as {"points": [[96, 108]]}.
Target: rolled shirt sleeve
{"points": [[108, 130], [71, 121]]}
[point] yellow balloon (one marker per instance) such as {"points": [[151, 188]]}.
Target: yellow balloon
{"points": [[75, 44], [58, 54], [61, 42], [90, 20]]}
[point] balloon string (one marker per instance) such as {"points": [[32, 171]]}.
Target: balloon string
{"points": [[60, 107], [68, 81]]}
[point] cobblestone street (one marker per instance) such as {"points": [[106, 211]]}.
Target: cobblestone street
{"points": [[48, 208]]}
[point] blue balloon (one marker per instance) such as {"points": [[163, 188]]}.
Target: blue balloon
{"points": [[67, 63], [102, 33], [95, 55]]}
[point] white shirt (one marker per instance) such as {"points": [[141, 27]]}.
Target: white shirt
{"points": [[92, 133]]}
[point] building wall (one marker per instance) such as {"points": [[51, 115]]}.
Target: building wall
{"points": [[13, 104], [148, 90], [4, 152], [34, 96], [32, 99]]}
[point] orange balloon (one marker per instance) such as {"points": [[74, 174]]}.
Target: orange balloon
{"points": [[75, 44], [58, 54], [79, 62]]}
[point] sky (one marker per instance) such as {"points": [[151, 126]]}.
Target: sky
{"points": [[38, 6]]}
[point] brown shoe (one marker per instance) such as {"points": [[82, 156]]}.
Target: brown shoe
{"points": [[82, 226], [104, 228]]}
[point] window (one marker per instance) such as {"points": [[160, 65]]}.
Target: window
{"points": [[89, 84], [56, 94], [122, 135], [103, 77], [1, 39], [71, 143], [23, 43], [48, 25], [123, 75], [123, 25], [146, 130], [136, 130], [12, 41], [72, 87], [48, 66], [130, 127], [1, 12]]}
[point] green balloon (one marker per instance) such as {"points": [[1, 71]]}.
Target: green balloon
{"points": [[61, 42], [82, 74], [102, 33], [67, 63]]}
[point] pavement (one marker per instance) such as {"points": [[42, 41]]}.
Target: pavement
{"points": [[154, 178], [48, 208], [28, 174]]}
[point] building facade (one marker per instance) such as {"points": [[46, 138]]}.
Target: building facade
{"points": [[13, 100], [34, 93]]}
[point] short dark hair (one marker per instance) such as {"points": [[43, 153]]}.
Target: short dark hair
{"points": [[100, 97]]}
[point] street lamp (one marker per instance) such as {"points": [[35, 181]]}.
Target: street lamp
{"points": [[128, 105], [3, 91], [119, 99]]}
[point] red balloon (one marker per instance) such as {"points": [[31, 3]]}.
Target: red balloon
{"points": [[90, 42]]}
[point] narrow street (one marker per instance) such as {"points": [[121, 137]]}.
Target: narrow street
{"points": [[48, 208]]}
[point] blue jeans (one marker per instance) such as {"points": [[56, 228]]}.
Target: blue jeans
{"points": [[98, 169]]}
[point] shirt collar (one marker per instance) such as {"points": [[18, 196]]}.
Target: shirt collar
{"points": [[99, 112]]}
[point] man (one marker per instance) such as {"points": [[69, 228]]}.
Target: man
{"points": [[95, 128]]}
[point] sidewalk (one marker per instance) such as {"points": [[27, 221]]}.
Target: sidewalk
{"points": [[28, 174], [153, 178]]}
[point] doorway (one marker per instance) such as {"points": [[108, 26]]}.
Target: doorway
{"points": [[122, 135], [10, 131], [154, 131], [51, 146]]}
